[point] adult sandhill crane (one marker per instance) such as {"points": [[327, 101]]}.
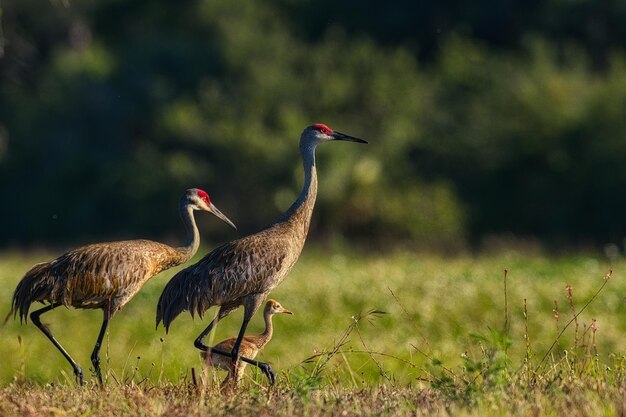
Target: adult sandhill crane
{"points": [[105, 275], [244, 271], [250, 346]]}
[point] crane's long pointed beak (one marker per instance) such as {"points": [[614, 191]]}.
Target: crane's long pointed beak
{"points": [[343, 136], [220, 216]]}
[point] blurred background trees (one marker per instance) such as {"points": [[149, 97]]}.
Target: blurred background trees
{"points": [[484, 119]]}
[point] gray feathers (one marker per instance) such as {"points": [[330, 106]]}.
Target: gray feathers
{"points": [[255, 264], [94, 276]]}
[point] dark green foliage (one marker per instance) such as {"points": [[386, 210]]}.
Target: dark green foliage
{"points": [[482, 120]]}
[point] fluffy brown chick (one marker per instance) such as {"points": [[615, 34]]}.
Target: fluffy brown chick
{"points": [[250, 347]]}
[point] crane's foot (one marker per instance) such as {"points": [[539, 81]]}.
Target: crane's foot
{"points": [[78, 373], [98, 373], [269, 373], [96, 369]]}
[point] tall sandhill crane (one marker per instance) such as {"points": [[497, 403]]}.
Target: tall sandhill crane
{"points": [[250, 346], [105, 275], [244, 271]]}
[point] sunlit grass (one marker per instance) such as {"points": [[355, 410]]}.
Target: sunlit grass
{"points": [[397, 324]]}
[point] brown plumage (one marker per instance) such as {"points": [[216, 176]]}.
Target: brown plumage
{"points": [[105, 275], [244, 271], [250, 347]]}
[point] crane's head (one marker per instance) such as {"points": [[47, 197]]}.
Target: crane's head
{"points": [[274, 307], [319, 133], [198, 199]]}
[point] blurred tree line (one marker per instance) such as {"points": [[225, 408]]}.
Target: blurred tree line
{"points": [[484, 117]]}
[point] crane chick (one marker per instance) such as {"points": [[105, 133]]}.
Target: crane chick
{"points": [[250, 347]]}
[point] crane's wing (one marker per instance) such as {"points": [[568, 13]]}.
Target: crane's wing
{"points": [[92, 276], [246, 266]]}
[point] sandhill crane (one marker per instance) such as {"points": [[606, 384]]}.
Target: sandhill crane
{"points": [[244, 271], [250, 346], [105, 275]]}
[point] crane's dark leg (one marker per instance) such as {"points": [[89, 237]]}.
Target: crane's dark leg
{"points": [[34, 316], [250, 306], [223, 312], [263, 366], [199, 343], [95, 355]]}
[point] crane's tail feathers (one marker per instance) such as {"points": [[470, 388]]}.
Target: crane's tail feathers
{"points": [[21, 299], [36, 285], [170, 305], [184, 292]]}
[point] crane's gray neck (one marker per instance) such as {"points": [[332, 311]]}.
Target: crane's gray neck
{"points": [[306, 200], [309, 190], [192, 241]]}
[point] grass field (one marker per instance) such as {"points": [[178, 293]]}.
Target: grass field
{"points": [[397, 334]]}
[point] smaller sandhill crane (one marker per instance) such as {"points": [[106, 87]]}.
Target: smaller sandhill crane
{"points": [[105, 275], [250, 347]]}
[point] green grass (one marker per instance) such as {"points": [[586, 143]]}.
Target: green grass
{"points": [[442, 346]]}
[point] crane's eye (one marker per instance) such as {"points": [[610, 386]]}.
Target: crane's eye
{"points": [[204, 196], [322, 128]]}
